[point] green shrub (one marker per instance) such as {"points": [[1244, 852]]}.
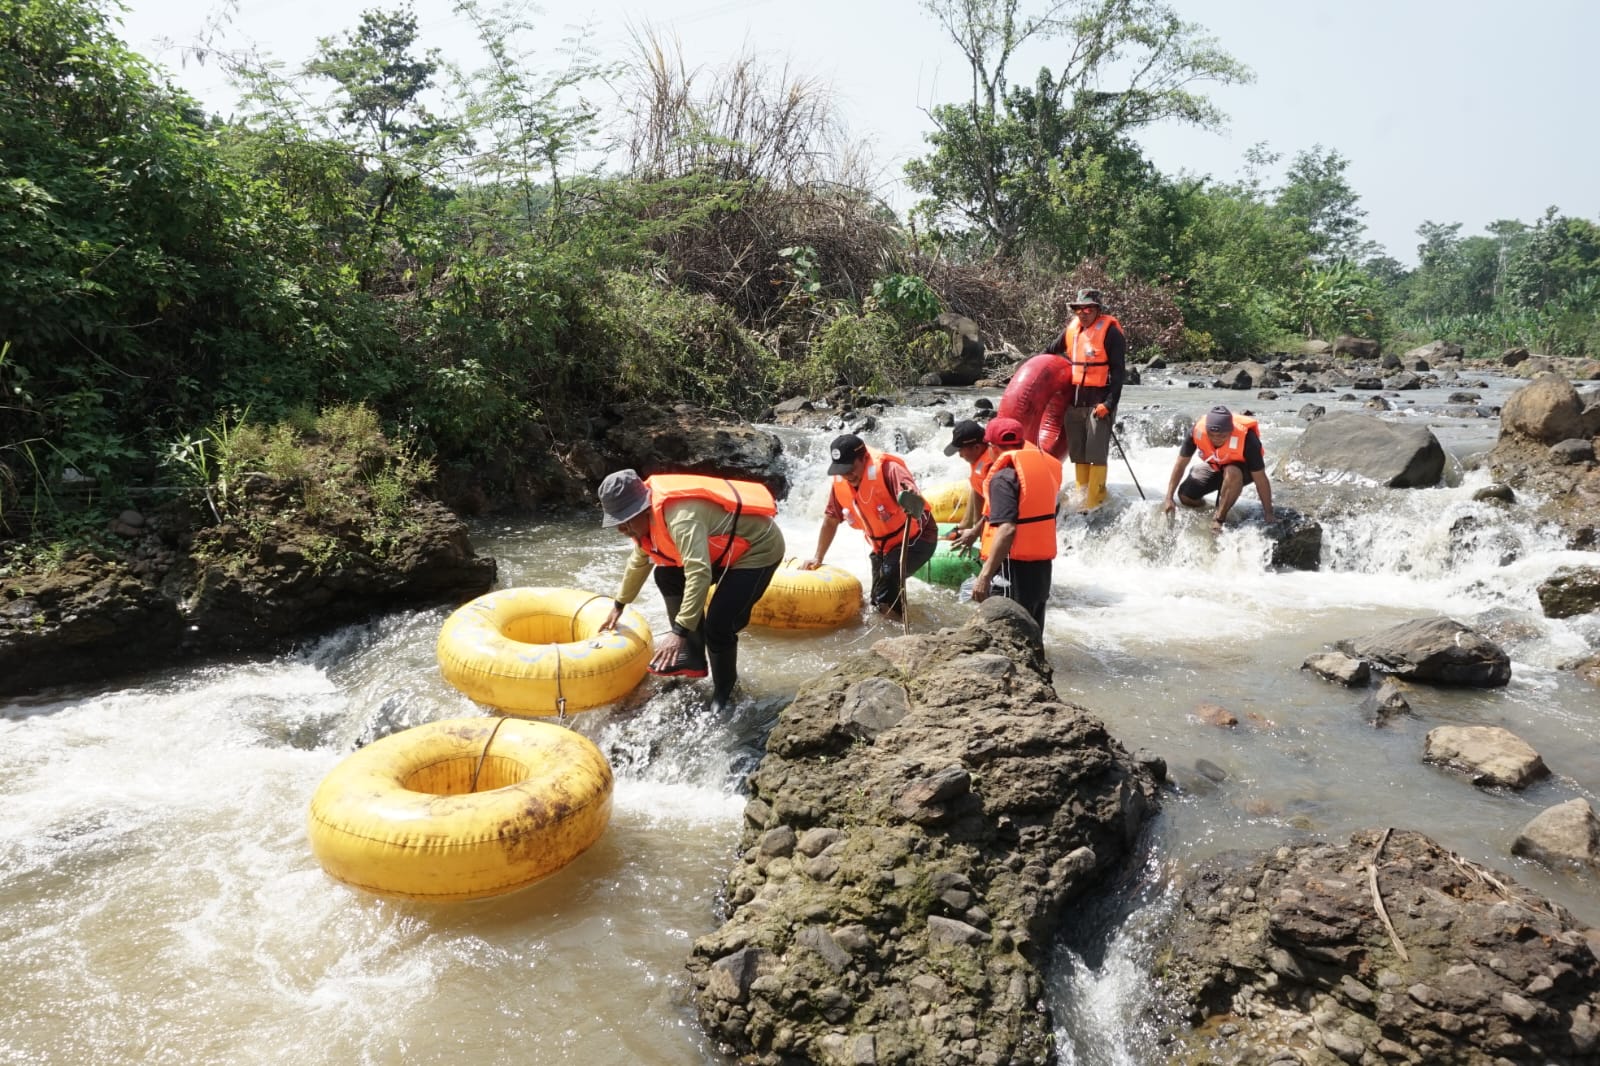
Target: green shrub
{"points": [[866, 351], [651, 341]]}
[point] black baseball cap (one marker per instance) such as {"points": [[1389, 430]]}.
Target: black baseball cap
{"points": [[961, 434], [844, 452]]}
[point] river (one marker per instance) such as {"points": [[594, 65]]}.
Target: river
{"points": [[160, 903]]}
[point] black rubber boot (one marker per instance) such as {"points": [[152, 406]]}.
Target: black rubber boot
{"points": [[724, 675], [691, 660]]}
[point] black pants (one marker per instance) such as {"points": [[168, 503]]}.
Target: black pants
{"points": [[730, 606], [889, 579], [1030, 585]]}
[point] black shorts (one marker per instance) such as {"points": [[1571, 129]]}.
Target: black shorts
{"points": [[1197, 486]]}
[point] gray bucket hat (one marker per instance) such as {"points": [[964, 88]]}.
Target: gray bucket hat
{"points": [[622, 496]]}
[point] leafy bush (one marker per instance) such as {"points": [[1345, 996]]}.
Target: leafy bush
{"points": [[653, 342], [865, 351], [906, 297]]}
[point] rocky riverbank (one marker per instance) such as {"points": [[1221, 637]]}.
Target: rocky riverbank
{"points": [[1385, 949], [924, 812]]}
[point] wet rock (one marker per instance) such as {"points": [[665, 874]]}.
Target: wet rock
{"points": [[1437, 650], [1497, 492], [1335, 666], [1513, 356], [964, 359], [687, 440], [1312, 411], [1296, 540], [1378, 403], [1212, 714], [1359, 348], [1405, 381], [1563, 835], [1435, 352], [1547, 411], [1489, 755], [938, 854], [1345, 446], [228, 588], [1292, 943], [1387, 702], [1587, 669], [1568, 452], [1570, 591]]}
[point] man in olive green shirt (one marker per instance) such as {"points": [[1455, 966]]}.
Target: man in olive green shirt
{"points": [[693, 532]]}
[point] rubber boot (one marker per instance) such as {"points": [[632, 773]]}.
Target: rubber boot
{"points": [[1096, 494], [691, 662], [724, 675]]}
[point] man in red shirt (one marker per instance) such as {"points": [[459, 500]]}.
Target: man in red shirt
{"points": [[872, 491]]}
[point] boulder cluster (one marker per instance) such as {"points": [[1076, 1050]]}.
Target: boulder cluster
{"points": [[923, 814]]}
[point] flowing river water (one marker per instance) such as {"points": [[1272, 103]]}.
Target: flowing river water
{"points": [[159, 902]]}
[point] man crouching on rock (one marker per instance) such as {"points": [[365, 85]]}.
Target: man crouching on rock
{"points": [[695, 531], [1230, 446]]}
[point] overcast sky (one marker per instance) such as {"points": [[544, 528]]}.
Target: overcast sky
{"points": [[1448, 110]]}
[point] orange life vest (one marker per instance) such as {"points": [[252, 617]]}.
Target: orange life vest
{"points": [[1038, 484], [1086, 350], [872, 508], [736, 497], [1233, 450], [980, 470]]}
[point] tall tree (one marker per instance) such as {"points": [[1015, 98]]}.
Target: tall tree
{"points": [[1317, 196], [1559, 254], [998, 160], [380, 112]]}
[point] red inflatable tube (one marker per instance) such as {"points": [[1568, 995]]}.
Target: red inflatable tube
{"points": [[1037, 397]]}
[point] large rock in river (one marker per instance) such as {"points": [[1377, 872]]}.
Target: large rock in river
{"points": [[1345, 447], [1387, 949], [923, 814], [1440, 650]]}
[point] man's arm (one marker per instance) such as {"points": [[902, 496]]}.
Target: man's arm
{"points": [[1172, 482], [999, 552], [830, 525], [691, 536], [1116, 364], [1264, 490]]}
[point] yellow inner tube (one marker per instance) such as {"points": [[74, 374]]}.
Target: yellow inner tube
{"points": [[539, 651], [460, 809], [948, 500], [824, 598]]}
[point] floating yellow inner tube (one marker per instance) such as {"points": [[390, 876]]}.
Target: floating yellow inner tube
{"points": [[824, 598], [948, 500], [539, 651], [460, 809]]}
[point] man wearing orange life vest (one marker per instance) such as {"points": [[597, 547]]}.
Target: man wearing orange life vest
{"points": [[868, 486], [695, 531], [1019, 534], [1230, 446], [966, 440], [1094, 343]]}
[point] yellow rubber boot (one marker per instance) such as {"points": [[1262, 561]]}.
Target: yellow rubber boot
{"points": [[1082, 472], [1096, 494]]}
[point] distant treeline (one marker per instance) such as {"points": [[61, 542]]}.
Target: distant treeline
{"points": [[437, 243]]}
